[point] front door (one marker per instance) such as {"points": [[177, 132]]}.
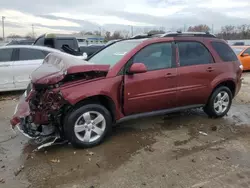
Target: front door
{"points": [[195, 72], [156, 88], [6, 71], [27, 61]]}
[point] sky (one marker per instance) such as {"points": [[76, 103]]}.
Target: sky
{"points": [[64, 16]]}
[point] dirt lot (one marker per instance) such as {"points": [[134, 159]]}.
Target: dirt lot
{"points": [[180, 150]]}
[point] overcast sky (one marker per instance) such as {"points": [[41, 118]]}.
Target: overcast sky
{"points": [[64, 16]]}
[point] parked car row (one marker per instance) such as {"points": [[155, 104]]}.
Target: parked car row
{"points": [[17, 62], [69, 99]]}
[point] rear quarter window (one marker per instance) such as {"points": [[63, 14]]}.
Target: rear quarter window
{"points": [[224, 51]]}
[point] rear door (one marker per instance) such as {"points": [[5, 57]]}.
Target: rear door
{"points": [[195, 72], [27, 60], [156, 88], [6, 71]]}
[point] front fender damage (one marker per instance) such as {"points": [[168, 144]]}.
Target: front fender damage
{"points": [[39, 114]]}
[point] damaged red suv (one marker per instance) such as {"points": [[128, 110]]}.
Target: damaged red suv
{"points": [[79, 101]]}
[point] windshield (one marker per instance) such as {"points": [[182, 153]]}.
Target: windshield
{"points": [[237, 51], [114, 53]]}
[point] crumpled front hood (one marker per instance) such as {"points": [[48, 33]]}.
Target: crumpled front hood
{"points": [[56, 66]]}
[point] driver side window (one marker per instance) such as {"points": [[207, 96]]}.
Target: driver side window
{"points": [[155, 56]]}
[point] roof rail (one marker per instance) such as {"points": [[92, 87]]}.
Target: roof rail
{"points": [[142, 36], [188, 34]]}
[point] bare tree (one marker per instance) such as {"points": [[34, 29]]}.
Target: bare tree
{"points": [[14, 36], [125, 33], [199, 28], [97, 33], [88, 33], [107, 35], [29, 36], [117, 35], [156, 32], [230, 32]]}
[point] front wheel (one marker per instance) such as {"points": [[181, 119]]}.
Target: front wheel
{"points": [[88, 125], [219, 103]]}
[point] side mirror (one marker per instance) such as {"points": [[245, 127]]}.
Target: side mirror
{"points": [[84, 55], [245, 54], [137, 68]]}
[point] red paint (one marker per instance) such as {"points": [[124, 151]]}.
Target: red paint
{"points": [[138, 68], [132, 93]]}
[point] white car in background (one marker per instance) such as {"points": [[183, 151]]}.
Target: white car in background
{"points": [[17, 62]]}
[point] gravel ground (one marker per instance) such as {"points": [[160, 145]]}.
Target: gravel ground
{"points": [[183, 150]]}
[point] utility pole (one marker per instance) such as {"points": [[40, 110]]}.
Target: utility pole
{"points": [[33, 32], [3, 25], [100, 31]]}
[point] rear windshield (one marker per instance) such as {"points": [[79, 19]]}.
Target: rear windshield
{"points": [[224, 51], [237, 50], [114, 53]]}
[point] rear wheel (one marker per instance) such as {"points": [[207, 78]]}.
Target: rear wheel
{"points": [[219, 102], [88, 125]]}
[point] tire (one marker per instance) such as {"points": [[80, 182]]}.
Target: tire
{"points": [[216, 106], [81, 126]]}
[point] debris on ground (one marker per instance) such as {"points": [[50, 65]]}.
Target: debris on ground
{"points": [[149, 148], [55, 161], [144, 183], [3, 166], [203, 133], [90, 153], [74, 152], [45, 152], [18, 170], [97, 164], [89, 159], [2, 180], [218, 158], [193, 160], [214, 128]]}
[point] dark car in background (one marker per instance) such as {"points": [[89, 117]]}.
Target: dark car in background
{"points": [[65, 43]]}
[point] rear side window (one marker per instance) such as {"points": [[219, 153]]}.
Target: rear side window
{"points": [[193, 53], [5, 54], [224, 51], [30, 54]]}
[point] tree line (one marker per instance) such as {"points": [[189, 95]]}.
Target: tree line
{"points": [[227, 32]]}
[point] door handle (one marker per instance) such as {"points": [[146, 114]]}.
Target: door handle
{"points": [[210, 69], [169, 75]]}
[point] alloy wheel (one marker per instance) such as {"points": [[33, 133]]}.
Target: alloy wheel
{"points": [[90, 126]]}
